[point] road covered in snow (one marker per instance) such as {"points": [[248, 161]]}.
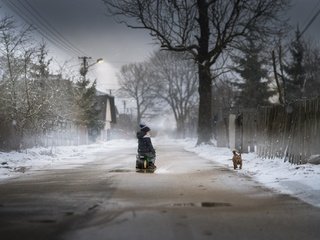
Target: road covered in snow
{"points": [[94, 192]]}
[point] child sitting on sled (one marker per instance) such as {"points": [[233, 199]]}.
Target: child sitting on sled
{"points": [[145, 146]]}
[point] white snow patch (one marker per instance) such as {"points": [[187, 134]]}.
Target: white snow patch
{"points": [[13, 164]]}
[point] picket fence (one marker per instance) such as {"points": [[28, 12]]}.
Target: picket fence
{"points": [[291, 133]]}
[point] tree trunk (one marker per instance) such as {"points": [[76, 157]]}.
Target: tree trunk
{"points": [[205, 125], [138, 113], [181, 129]]}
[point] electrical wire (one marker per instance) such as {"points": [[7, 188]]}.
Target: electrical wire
{"points": [[309, 23], [50, 26], [306, 27], [19, 12], [311, 12], [45, 31]]}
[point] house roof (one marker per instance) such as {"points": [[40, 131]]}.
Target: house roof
{"points": [[99, 93]]}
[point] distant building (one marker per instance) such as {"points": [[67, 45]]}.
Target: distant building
{"points": [[105, 103]]}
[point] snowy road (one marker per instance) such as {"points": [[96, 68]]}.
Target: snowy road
{"points": [[186, 198]]}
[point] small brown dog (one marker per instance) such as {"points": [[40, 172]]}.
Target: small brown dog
{"points": [[236, 159]]}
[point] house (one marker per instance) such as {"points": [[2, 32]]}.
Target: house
{"points": [[105, 103]]}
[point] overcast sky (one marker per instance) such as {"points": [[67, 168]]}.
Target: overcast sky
{"points": [[83, 23]]}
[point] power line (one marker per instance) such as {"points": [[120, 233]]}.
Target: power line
{"points": [[20, 12], [306, 27], [309, 23], [41, 28], [37, 21], [312, 11], [53, 29]]}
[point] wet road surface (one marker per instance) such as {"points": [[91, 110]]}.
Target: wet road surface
{"points": [[186, 198]]}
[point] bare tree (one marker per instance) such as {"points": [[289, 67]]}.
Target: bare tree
{"points": [[177, 84], [136, 82], [37, 95], [16, 52], [204, 28], [32, 101]]}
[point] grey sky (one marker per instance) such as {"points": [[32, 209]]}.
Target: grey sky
{"points": [[84, 24], [302, 12]]}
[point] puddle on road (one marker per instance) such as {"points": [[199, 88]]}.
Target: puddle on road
{"points": [[184, 205], [93, 207], [215, 204], [202, 204], [69, 213], [43, 221], [120, 170]]}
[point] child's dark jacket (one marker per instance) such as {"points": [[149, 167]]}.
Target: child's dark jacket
{"points": [[144, 144]]}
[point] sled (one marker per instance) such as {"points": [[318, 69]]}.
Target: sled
{"points": [[145, 164]]}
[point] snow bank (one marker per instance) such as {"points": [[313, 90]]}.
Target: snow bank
{"points": [[302, 181], [13, 164]]}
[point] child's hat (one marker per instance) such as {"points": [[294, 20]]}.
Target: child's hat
{"points": [[144, 128]]}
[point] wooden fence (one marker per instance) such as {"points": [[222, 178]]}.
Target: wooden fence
{"points": [[71, 136], [291, 133]]}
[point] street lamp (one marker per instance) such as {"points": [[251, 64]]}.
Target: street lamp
{"points": [[85, 66], [99, 60]]}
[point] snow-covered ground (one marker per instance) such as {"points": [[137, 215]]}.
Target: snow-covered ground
{"points": [[13, 164], [302, 181]]}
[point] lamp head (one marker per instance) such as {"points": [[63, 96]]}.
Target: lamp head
{"points": [[99, 60]]}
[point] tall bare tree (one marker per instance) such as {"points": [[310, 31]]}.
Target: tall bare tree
{"points": [[204, 28], [136, 82], [177, 84]]}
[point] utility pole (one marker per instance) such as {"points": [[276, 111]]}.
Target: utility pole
{"points": [[110, 91], [85, 66], [124, 106]]}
